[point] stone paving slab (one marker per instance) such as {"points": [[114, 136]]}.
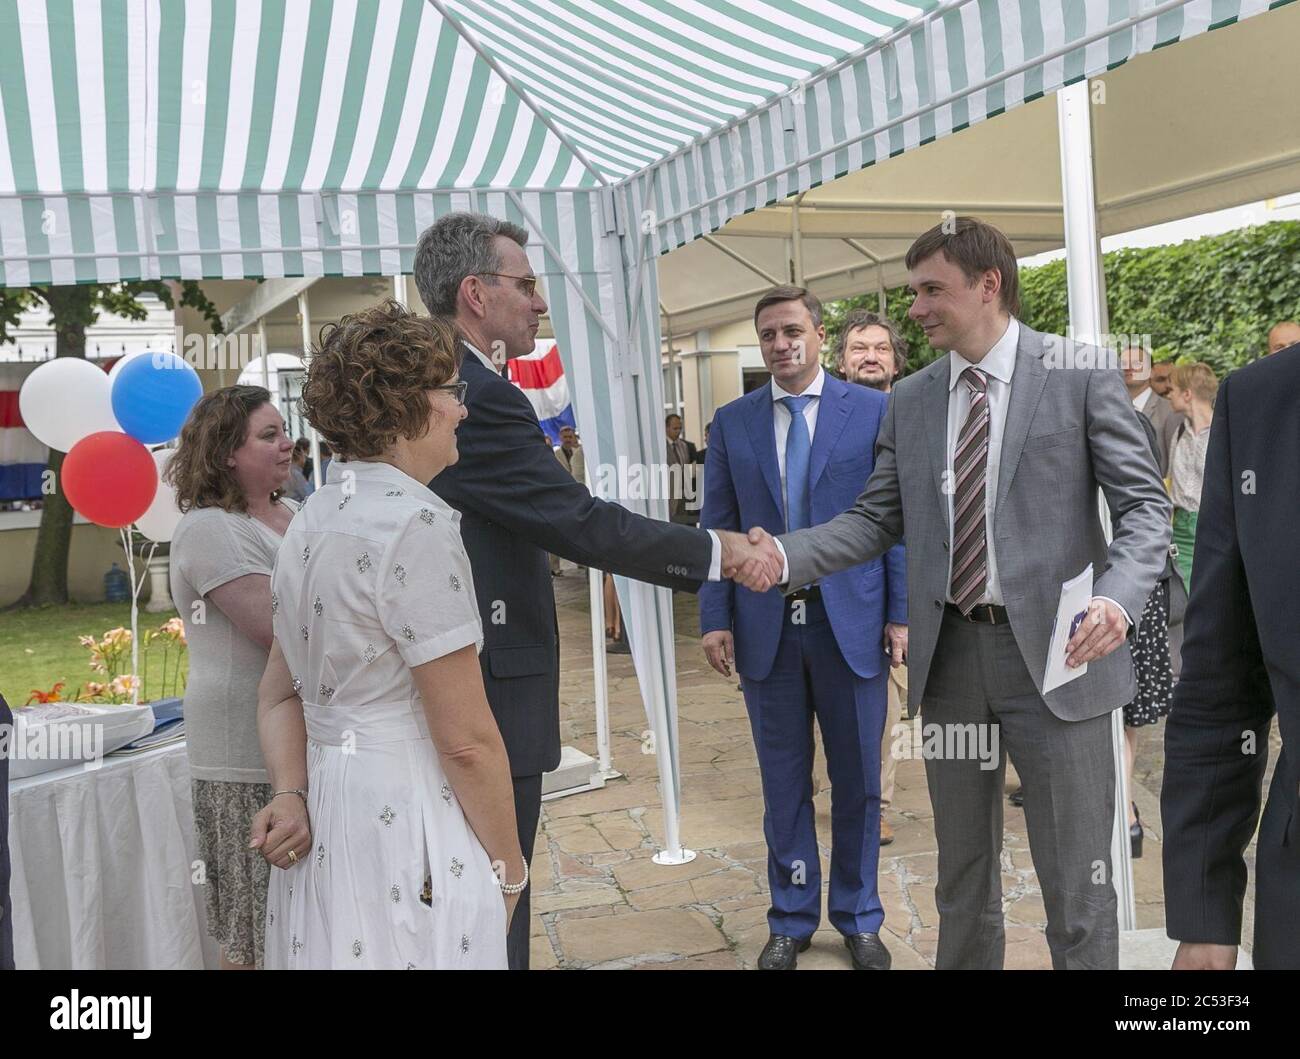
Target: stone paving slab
{"points": [[600, 902]]}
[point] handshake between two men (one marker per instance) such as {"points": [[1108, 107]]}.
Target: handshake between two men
{"points": [[752, 560]]}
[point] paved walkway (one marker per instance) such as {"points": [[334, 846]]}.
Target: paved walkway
{"points": [[600, 902]]}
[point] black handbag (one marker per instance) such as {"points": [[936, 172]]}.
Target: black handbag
{"points": [[1177, 590]]}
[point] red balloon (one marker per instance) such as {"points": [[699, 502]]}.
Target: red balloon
{"points": [[110, 478]]}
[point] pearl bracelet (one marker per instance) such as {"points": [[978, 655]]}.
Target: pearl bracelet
{"points": [[510, 889]]}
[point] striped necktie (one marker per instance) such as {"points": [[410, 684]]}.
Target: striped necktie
{"points": [[970, 564]]}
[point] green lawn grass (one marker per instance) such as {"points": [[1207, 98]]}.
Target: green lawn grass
{"points": [[39, 647]]}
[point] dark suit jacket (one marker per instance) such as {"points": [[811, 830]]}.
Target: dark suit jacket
{"points": [[1241, 664], [6, 910], [692, 456], [517, 502]]}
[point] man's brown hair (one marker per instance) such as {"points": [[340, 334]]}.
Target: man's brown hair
{"points": [[790, 293], [974, 247], [860, 318]]}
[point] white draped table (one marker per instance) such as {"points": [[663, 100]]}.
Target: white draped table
{"points": [[104, 867]]}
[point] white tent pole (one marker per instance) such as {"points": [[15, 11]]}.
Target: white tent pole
{"points": [[796, 237], [399, 291], [1087, 297], [266, 364], [599, 666], [600, 670], [304, 314], [648, 613]]}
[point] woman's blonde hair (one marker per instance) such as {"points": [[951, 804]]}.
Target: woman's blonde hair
{"points": [[1199, 378]]}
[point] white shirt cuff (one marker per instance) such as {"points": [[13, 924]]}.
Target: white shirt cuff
{"points": [[785, 563], [1121, 610], [715, 562]]}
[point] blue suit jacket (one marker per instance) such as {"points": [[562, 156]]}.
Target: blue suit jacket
{"points": [[742, 489]]}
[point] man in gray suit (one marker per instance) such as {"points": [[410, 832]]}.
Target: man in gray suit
{"points": [[989, 462], [1137, 366]]}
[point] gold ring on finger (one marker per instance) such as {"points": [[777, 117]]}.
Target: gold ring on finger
{"points": [[293, 857]]}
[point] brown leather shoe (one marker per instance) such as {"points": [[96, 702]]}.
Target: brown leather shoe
{"points": [[886, 832]]}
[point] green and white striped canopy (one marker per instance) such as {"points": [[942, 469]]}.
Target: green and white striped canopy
{"points": [[269, 138], [229, 138]]}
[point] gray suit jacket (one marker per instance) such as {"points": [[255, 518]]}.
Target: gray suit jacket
{"points": [[1070, 428], [1166, 421]]}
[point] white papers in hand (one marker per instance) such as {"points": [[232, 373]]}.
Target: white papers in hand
{"points": [[1076, 594]]}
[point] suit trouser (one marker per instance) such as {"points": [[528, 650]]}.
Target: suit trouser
{"points": [[1277, 879], [811, 678], [979, 686], [528, 809]]}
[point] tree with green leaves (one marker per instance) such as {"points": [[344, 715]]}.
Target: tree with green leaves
{"points": [[72, 310]]}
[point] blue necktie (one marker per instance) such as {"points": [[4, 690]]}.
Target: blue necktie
{"points": [[798, 448]]}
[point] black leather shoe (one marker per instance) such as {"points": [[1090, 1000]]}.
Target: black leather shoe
{"points": [[868, 952], [1017, 797], [781, 953]]}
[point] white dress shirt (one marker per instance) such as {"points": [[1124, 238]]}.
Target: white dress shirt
{"points": [[1140, 401], [998, 365], [781, 421], [715, 560]]}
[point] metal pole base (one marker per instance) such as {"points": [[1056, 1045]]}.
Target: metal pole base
{"points": [[678, 856]]}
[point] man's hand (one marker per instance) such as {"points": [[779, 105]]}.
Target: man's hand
{"points": [[1102, 631], [752, 561], [720, 649], [896, 644], [1204, 956]]}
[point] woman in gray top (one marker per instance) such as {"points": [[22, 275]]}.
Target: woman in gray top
{"points": [[229, 472]]}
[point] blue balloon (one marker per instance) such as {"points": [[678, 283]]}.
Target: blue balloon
{"points": [[152, 396]]}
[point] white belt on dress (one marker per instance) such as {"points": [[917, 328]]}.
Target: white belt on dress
{"points": [[374, 723]]}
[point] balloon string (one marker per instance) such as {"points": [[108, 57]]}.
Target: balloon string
{"points": [[135, 612]]}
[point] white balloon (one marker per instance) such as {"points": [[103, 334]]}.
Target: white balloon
{"points": [[65, 400], [122, 362], [160, 521]]}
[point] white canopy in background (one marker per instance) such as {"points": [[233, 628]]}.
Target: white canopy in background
{"points": [[1209, 124], [234, 138]]}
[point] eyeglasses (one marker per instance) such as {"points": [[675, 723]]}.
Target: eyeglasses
{"points": [[456, 389], [527, 284]]}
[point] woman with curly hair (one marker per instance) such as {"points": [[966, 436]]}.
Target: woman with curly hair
{"points": [[392, 814], [228, 472]]}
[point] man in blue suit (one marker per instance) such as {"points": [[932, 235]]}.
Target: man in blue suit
{"points": [[792, 454]]}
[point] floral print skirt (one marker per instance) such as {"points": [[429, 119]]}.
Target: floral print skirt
{"points": [[235, 877]]}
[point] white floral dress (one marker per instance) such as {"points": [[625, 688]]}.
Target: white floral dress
{"points": [[372, 579]]}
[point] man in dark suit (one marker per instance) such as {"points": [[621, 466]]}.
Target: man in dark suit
{"points": [[682, 455], [6, 910], [1241, 665], [1136, 362], [518, 503], [786, 456]]}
